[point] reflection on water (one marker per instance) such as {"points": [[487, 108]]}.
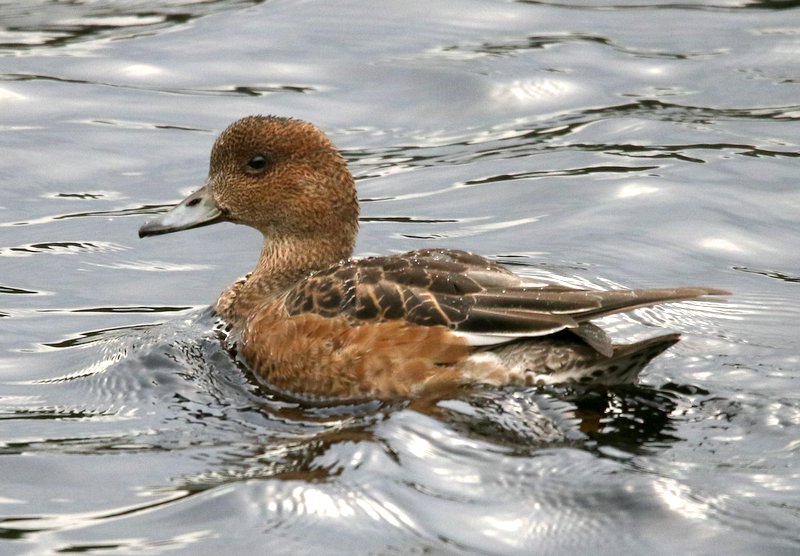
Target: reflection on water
{"points": [[591, 145], [172, 389], [51, 24]]}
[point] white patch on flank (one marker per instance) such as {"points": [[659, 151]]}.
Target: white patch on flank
{"points": [[488, 339]]}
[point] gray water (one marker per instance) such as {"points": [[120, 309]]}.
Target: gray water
{"points": [[596, 144]]}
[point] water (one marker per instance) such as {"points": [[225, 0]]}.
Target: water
{"points": [[594, 143]]}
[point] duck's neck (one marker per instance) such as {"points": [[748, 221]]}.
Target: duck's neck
{"points": [[281, 265]]}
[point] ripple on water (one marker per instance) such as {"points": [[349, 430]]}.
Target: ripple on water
{"points": [[134, 438], [139, 210], [509, 471], [59, 248], [43, 25], [154, 266]]}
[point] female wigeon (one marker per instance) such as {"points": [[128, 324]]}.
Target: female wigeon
{"points": [[312, 321]]}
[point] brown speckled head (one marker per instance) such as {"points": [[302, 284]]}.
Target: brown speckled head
{"points": [[285, 178]]}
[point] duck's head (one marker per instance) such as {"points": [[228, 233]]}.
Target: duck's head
{"points": [[280, 176]]}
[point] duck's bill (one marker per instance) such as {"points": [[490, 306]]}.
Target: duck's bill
{"points": [[198, 209]]}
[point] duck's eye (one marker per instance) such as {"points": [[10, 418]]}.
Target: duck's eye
{"points": [[256, 165]]}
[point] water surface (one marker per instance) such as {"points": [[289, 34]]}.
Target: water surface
{"points": [[597, 144]]}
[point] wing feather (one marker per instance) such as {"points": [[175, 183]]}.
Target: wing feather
{"points": [[470, 295]]}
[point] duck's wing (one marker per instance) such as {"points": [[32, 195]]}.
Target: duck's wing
{"points": [[471, 295]]}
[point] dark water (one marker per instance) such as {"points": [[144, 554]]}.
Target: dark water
{"points": [[597, 144]]}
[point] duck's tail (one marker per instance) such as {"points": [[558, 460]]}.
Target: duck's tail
{"points": [[560, 359], [628, 360]]}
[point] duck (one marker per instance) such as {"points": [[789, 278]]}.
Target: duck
{"points": [[314, 322]]}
